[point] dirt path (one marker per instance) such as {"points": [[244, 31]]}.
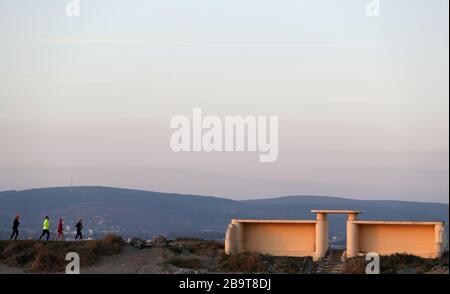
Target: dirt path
{"points": [[130, 261]]}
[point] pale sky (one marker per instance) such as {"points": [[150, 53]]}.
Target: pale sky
{"points": [[363, 102]]}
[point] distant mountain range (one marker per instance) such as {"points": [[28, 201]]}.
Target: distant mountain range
{"points": [[145, 214]]}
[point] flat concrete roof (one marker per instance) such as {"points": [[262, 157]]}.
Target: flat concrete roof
{"points": [[336, 211], [274, 221], [368, 222]]}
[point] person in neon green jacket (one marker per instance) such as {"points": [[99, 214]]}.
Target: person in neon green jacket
{"points": [[45, 228]]}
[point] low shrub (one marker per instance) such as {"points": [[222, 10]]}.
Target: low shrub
{"points": [[356, 265], [290, 265], [198, 246], [244, 262], [109, 245]]}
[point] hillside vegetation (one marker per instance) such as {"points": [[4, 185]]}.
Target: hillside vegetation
{"points": [[184, 256], [39, 257], [401, 264]]}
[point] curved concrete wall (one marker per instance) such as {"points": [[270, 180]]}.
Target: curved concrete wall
{"points": [[278, 238], [424, 239]]}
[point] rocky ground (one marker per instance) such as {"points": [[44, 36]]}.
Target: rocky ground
{"points": [[182, 256]]}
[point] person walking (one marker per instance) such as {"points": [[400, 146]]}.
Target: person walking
{"points": [[15, 228], [79, 226], [45, 228], [60, 231]]}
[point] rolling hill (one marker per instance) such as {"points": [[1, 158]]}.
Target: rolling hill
{"points": [[145, 214]]}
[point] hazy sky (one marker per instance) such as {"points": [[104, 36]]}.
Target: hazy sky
{"points": [[363, 102]]}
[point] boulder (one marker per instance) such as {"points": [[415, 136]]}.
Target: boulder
{"points": [[138, 243], [159, 242]]}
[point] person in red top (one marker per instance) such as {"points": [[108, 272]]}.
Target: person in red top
{"points": [[60, 231]]}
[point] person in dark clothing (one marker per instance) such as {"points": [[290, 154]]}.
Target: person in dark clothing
{"points": [[15, 228], [45, 228], [79, 226]]}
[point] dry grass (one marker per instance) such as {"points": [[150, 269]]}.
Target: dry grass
{"points": [[444, 259], [190, 263], [36, 256], [291, 265], [110, 245], [244, 262], [397, 263], [197, 247], [355, 266], [188, 251]]}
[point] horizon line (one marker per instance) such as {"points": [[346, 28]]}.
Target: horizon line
{"points": [[219, 197]]}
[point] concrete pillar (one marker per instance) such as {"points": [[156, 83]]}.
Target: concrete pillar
{"points": [[321, 236], [352, 236], [438, 240]]}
